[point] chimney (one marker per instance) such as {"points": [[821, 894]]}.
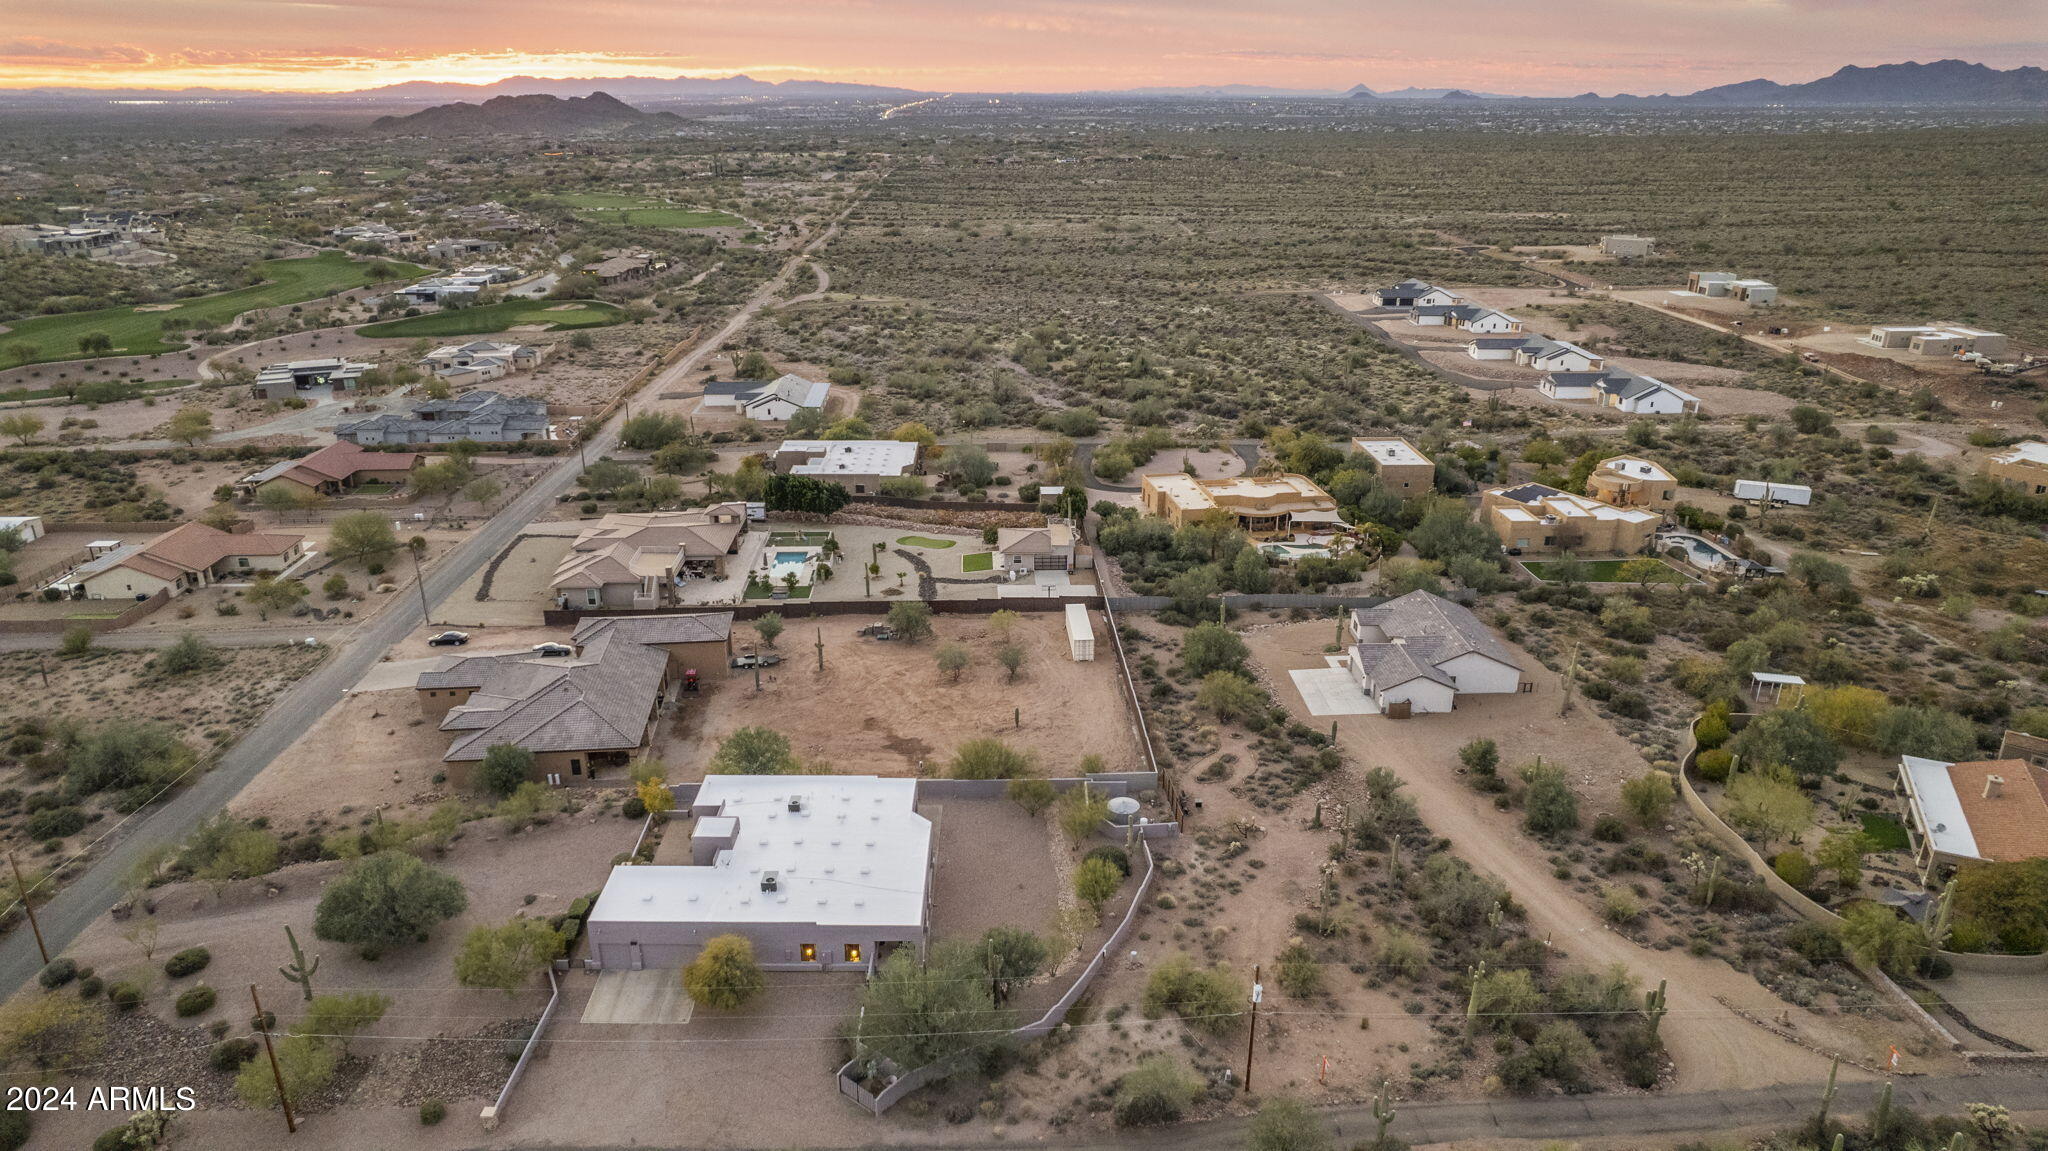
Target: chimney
{"points": [[1993, 784]]}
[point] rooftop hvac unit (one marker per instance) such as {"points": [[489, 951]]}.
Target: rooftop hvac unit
{"points": [[796, 803], [767, 881]]}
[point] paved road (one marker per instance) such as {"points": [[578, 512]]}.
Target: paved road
{"points": [[133, 640], [88, 895]]}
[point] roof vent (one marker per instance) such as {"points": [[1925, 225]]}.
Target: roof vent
{"points": [[767, 881], [796, 803], [1993, 784]]}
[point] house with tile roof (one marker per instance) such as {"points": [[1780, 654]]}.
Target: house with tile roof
{"points": [[1536, 519], [640, 560], [480, 361], [186, 558], [1418, 652], [1988, 811], [335, 470], [582, 714]]}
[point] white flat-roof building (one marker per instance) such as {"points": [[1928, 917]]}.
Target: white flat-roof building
{"points": [[1623, 247], [1937, 339], [820, 872], [860, 465]]}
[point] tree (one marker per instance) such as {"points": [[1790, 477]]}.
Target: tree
{"points": [[190, 425], [724, 975], [1032, 794], [753, 366], [953, 659], [1643, 571], [1549, 806], [916, 1013], [605, 477], [335, 586], [683, 458], [1849, 714], [1818, 571], [970, 466], [1481, 756], [504, 768], [2005, 902], [1011, 656], [507, 956], [655, 795], [1229, 696], [804, 494], [1158, 1090], [1096, 881], [1208, 647], [281, 498], [126, 753], [1768, 805], [1648, 797], [1002, 622], [649, 431], [1876, 935], [51, 1031], [24, 352], [1082, 813], [988, 758], [753, 751], [482, 490], [1842, 852], [1287, 1124], [1925, 731], [1448, 530], [1011, 955], [269, 594], [22, 426], [365, 537], [912, 620], [386, 900], [95, 343], [1786, 738], [768, 627]]}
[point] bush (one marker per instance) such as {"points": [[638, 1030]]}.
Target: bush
{"points": [[988, 758], [190, 961], [1793, 867], [1714, 765], [229, 1054], [432, 1112], [1300, 975], [124, 996], [724, 975], [385, 901], [55, 823], [1610, 829], [1814, 943], [57, 973], [1116, 856], [91, 986], [195, 1000], [1549, 807], [1158, 1090], [1207, 999], [1711, 732], [633, 808]]}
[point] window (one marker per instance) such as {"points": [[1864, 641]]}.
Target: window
{"points": [[241, 561], [808, 952], [853, 953]]}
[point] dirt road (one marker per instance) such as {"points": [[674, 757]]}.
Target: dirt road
{"points": [[1714, 1048]]}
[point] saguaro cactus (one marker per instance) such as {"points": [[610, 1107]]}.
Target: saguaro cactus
{"points": [[1382, 1113], [298, 970], [1654, 1005]]}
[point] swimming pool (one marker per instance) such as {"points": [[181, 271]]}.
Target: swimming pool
{"points": [[791, 557]]}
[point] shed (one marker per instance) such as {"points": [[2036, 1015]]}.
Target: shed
{"points": [[1080, 633], [30, 527]]}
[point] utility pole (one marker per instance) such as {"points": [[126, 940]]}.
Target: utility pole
{"points": [[29, 906], [291, 1125], [420, 581], [1258, 993]]}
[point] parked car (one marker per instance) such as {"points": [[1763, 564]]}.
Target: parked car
{"points": [[748, 661], [553, 649], [448, 639]]}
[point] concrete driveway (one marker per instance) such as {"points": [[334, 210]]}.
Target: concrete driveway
{"points": [[650, 996], [1331, 691]]}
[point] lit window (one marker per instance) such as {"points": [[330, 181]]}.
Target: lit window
{"points": [[808, 952], [853, 953]]}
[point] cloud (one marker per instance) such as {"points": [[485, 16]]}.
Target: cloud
{"points": [[40, 50]]}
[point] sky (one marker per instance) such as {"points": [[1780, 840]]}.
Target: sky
{"points": [[1522, 47]]}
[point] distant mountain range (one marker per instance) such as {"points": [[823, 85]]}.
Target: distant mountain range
{"points": [[1941, 82], [526, 114]]}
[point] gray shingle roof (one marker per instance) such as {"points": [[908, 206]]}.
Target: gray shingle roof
{"points": [[597, 700], [700, 627], [1430, 631]]}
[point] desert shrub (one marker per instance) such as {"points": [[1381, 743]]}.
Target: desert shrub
{"points": [[1549, 807], [1714, 765], [91, 986], [1206, 999], [988, 758], [230, 1054], [190, 961], [1610, 829], [724, 975], [432, 1112], [1814, 943], [195, 1000], [1793, 867], [1403, 953], [385, 901], [125, 996], [1637, 1054], [1564, 1052], [1114, 854], [1711, 732], [1158, 1090], [1648, 797], [55, 823], [1300, 975], [57, 973]]}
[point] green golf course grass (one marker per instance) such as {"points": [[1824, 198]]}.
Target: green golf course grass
{"points": [[978, 562], [642, 211], [488, 318], [923, 542], [139, 333]]}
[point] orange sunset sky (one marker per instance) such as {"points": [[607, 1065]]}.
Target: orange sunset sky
{"points": [[1531, 47]]}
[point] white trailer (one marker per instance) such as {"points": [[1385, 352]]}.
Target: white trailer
{"points": [[1080, 633], [1797, 495]]}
